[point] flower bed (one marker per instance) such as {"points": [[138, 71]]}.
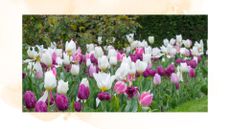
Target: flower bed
{"points": [[104, 79]]}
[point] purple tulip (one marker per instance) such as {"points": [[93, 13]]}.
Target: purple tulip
{"points": [[104, 96], [131, 91], [54, 58], [23, 75], [61, 102], [77, 106], [160, 70], [192, 73], [192, 63], [29, 99], [146, 72], [40, 107], [93, 59], [170, 69], [152, 72], [83, 92], [91, 70]]}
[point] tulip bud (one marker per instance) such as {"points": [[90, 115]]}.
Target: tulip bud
{"points": [[29, 99], [146, 99], [75, 68], [70, 47], [151, 39], [50, 80], [40, 107], [103, 63], [61, 102], [62, 87], [98, 52], [192, 73], [141, 66], [46, 58], [77, 106], [120, 87], [104, 96], [160, 70], [83, 91], [157, 79]]}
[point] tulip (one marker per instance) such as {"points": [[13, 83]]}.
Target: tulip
{"points": [[131, 91], [90, 47], [151, 39], [93, 59], [170, 69], [104, 96], [75, 69], [23, 75], [41, 105], [83, 90], [29, 99], [50, 80], [130, 37], [113, 60], [120, 87], [32, 53], [193, 63], [156, 53], [122, 71], [179, 39], [91, 70], [77, 106], [120, 56], [70, 47], [98, 52], [46, 58], [66, 59], [61, 102], [104, 80], [140, 66], [146, 99], [99, 40], [62, 87], [160, 70], [192, 73], [157, 79], [112, 52], [38, 70], [103, 63], [187, 43], [184, 67], [147, 58], [174, 78]]}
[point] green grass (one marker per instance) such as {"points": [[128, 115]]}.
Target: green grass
{"points": [[199, 105]]}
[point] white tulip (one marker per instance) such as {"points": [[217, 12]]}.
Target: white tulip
{"points": [[151, 39], [179, 39], [184, 51], [103, 63], [141, 66], [104, 80], [46, 58], [66, 59], [142, 44], [147, 58], [38, 70], [44, 96], [179, 73], [166, 42], [85, 82], [130, 37], [122, 71], [112, 52], [70, 47], [134, 44], [148, 50], [75, 68], [113, 60], [98, 52], [156, 53], [172, 41], [32, 53], [90, 47], [132, 69], [62, 87], [99, 40], [187, 43], [50, 80]]}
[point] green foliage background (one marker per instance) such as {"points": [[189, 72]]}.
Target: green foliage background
{"points": [[43, 29]]}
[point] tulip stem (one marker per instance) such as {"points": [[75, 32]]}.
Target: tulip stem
{"points": [[140, 83]]}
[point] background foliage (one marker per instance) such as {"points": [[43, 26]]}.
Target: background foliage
{"points": [[43, 29]]}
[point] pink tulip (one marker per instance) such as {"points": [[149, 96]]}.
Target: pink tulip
{"points": [[192, 73], [157, 79], [139, 51], [120, 87], [92, 69], [174, 78], [120, 56], [146, 99]]}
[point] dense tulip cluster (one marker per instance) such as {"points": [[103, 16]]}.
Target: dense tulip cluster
{"points": [[103, 76]]}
